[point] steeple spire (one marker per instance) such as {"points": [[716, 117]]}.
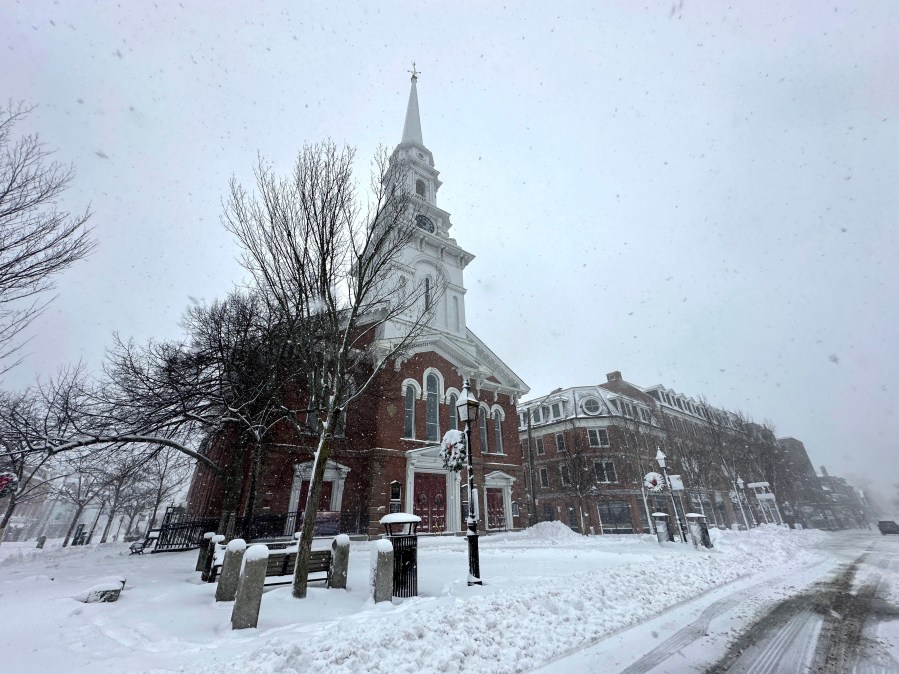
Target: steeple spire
{"points": [[412, 127]]}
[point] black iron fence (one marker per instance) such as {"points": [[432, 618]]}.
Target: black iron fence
{"points": [[178, 532]]}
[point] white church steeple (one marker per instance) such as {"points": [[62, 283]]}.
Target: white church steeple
{"points": [[435, 254], [412, 127]]}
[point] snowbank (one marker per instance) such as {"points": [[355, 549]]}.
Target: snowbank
{"points": [[548, 581], [496, 633], [550, 533]]}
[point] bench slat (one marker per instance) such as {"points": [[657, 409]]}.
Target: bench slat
{"points": [[282, 564]]}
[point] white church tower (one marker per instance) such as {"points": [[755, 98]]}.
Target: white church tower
{"points": [[435, 253]]}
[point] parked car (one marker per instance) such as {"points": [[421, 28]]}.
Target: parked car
{"points": [[888, 527]]}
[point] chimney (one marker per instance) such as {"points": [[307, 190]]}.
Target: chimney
{"points": [[613, 376], [824, 471]]}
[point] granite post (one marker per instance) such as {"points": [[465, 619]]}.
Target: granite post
{"points": [[340, 560], [249, 590], [382, 570], [230, 577]]}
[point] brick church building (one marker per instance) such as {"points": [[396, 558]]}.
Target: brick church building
{"points": [[387, 459]]}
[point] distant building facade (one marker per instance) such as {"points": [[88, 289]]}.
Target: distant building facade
{"points": [[589, 449]]}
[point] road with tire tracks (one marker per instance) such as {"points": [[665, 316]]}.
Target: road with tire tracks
{"points": [[823, 618]]}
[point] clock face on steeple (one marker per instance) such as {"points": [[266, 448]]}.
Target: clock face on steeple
{"points": [[425, 223]]}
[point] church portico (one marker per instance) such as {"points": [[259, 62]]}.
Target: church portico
{"points": [[433, 492]]}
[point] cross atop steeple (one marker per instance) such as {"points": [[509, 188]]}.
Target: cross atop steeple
{"points": [[415, 73]]}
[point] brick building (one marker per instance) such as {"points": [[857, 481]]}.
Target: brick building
{"points": [[589, 449], [387, 458]]}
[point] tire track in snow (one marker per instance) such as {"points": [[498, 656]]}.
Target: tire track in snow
{"points": [[789, 650], [699, 627]]}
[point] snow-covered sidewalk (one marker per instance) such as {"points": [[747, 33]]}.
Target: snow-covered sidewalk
{"points": [[548, 592]]}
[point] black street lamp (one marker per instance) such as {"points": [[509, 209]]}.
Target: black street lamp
{"points": [[660, 457], [467, 408]]}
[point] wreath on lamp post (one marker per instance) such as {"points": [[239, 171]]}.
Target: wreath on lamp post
{"points": [[8, 483], [654, 482], [452, 451]]}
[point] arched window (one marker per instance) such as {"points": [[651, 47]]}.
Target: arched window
{"points": [[498, 431], [409, 422], [432, 409], [420, 187], [427, 293], [453, 412], [482, 430]]}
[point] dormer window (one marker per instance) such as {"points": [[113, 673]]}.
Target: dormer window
{"points": [[420, 188]]}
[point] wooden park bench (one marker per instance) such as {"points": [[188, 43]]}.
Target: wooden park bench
{"points": [[281, 565]]}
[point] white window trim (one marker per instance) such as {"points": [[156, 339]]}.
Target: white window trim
{"points": [[591, 399], [414, 384], [500, 450], [424, 383], [608, 442], [605, 471]]}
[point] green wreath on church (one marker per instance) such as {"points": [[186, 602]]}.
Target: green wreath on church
{"points": [[452, 451]]}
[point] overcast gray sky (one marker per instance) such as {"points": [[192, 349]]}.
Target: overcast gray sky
{"points": [[697, 195]]}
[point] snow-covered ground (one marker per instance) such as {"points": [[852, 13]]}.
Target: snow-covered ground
{"points": [[548, 594]]}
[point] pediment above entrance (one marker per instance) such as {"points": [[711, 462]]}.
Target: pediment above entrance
{"points": [[432, 451], [498, 479], [425, 458]]}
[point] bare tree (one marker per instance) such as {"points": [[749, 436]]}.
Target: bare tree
{"points": [[165, 475], [637, 441], [579, 478], [121, 473], [329, 266], [138, 500], [234, 370], [37, 241], [71, 411], [690, 454], [84, 484], [36, 471], [233, 373]]}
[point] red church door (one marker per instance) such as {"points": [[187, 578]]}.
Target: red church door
{"points": [[496, 511], [324, 499], [430, 502]]}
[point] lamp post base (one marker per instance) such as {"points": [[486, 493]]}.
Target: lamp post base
{"points": [[474, 562]]}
